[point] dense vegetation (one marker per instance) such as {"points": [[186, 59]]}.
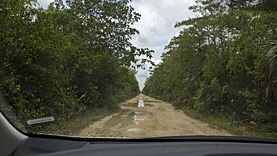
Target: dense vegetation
{"points": [[223, 63], [68, 59]]}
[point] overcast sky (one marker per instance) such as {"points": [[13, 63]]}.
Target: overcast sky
{"points": [[156, 26]]}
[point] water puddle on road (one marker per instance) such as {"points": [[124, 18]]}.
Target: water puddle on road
{"points": [[140, 103], [120, 121], [124, 120], [136, 122], [132, 129]]}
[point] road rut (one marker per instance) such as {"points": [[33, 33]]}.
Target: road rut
{"points": [[155, 118]]}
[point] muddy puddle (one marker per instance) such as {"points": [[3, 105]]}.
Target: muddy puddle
{"points": [[143, 116], [136, 105], [127, 120], [151, 101], [140, 103], [136, 121], [149, 105], [131, 104], [132, 130], [120, 121]]}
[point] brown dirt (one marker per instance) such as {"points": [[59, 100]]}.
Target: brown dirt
{"points": [[156, 118]]}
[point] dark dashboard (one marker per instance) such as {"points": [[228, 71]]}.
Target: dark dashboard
{"points": [[191, 146]]}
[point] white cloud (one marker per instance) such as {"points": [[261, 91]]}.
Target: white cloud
{"points": [[44, 3], [156, 26]]}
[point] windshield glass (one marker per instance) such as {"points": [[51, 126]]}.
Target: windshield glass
{"points": [[141, 68]]}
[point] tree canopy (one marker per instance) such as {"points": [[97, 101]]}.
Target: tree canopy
{"points": [[69, 58], [223, 62]]}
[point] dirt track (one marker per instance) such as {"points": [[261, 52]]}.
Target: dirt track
{"points": [[155, 118]]}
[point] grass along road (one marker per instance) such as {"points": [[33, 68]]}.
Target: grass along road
{"points": [[149, 118]]}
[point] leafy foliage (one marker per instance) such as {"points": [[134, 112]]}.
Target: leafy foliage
{"points": [[223, 62], [68, 59]]}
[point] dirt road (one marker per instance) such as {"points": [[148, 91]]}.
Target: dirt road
{"points": [[143, 116]]}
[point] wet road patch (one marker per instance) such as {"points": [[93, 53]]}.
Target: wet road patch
{"points": [[148, 105], [132, 130], [120, 121], [152, 101], [140, 103], [136, 121], [131, 104]]}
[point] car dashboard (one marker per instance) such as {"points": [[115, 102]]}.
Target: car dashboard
{"points": [[168, 146]]}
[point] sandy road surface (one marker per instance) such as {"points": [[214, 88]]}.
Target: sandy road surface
{"points": [[152, 118]]}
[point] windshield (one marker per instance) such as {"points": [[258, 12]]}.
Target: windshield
{"points": [[141, 68]]}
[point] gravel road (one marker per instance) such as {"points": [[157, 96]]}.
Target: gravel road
{"points": [[143, 116]]}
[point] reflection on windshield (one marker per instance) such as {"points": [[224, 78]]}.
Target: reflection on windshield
{"points": [[72, 69]]}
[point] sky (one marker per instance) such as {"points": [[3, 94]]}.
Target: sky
{"points": [[156, 26]]}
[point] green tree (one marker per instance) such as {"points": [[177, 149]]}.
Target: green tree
{"points": [[67, 59], [222, 62]]}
